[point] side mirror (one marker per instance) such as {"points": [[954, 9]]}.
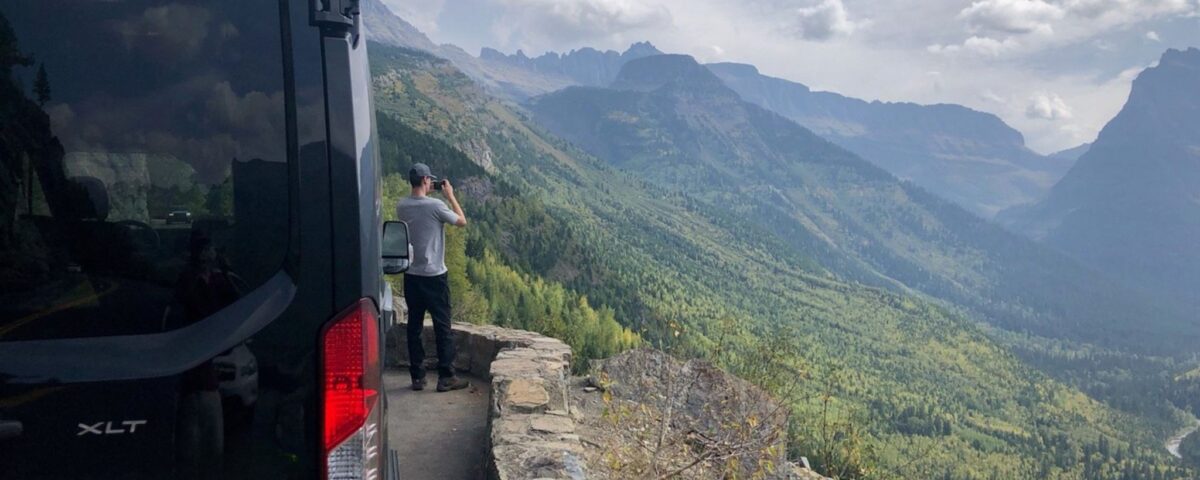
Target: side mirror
{"points": [[397, 251]]}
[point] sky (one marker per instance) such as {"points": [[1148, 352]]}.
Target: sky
{"points": [[1056, 70]]}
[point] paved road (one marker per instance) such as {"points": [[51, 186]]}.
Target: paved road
{"points": [[440, 436], [1174, 442]]}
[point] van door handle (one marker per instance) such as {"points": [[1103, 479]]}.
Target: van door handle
{"points": [[10, 429]]}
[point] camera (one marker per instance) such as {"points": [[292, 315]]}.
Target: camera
{"points": [[438, 184]]}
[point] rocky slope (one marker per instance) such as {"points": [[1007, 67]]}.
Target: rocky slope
{"points": [[697, 420], [1131, 205]]}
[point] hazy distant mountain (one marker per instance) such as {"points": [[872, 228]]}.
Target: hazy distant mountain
{"points": [[671, 121], [386, 27], [969, 157], [1067, 158], [586, 66], [498, 77], [1131, 205]]}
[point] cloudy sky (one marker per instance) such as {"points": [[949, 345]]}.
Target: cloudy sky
{"points": [[1057, 70]]}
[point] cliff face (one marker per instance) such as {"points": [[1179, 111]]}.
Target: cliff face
{"points": [[31, 171], [1131, 205]]}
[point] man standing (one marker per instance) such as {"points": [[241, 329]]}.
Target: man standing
{"points": [[426, 287]]}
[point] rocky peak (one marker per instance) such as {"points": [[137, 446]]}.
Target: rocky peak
{"points": [[674, 71], [1163, 102], [641, 49], [488, 53], [1128, 206], [584, 66]]}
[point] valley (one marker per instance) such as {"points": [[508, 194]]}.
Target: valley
{"points": [[913, 338]]}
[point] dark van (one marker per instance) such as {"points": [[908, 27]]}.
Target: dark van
{"points": [[245, 343]]}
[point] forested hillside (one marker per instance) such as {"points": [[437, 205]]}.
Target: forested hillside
{"points": [[678, 125], [883, 384]]}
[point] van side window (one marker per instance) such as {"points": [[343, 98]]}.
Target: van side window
{"points": [[143, 163]]}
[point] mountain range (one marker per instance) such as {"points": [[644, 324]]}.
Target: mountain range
{"points": [[1131, 205], [671, 120], [585, 66], [500, 78], [904, 377], [969, 157], [948, 347]]}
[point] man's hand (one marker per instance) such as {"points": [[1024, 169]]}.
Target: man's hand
{"points": [[448, 192]]}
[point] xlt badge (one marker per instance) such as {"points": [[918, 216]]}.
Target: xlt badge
{"points": [[109, 428]]}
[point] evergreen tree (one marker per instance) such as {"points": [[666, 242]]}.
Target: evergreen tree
{"points": [[10, 51], [41, 86]]}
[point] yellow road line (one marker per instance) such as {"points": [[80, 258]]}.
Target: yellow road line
{"points": [[26, 397], [57, 308]]}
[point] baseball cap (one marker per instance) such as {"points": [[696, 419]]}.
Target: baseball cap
{"points": [[419, 170]]}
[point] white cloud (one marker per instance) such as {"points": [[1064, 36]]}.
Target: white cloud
{"points": [[998, 27], [978, 46], [877, 49], [1130, 74], [168, 32], [1092, 18], [1127, 11], [1153, 36], [823, 21], [1048, 107], [1011, 16], [538, 22], [993, 97], [423, 14]]}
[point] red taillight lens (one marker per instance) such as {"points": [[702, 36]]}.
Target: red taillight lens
{"points": [[350, 388]]}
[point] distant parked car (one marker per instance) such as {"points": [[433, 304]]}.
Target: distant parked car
{"points": [[179, 216], [237, 376]]}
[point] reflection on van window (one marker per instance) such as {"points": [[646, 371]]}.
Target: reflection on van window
{"points": [[143, 181]]}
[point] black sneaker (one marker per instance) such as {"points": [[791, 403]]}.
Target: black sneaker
{"points": [[452, 383], [418, 384]]}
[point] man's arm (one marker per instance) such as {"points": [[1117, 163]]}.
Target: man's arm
{"points": [[448, 192]]}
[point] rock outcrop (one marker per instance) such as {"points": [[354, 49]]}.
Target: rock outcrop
{"points": [[645, 414], [545, 424]]}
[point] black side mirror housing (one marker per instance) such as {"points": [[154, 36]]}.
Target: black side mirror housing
{"points": [[397, 251]]}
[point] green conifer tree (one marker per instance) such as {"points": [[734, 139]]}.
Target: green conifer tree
{"points": [[41, 86]]}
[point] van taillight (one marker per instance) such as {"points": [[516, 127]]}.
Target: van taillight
{"points": [[350, 389]]}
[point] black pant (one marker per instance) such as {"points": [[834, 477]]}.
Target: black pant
{"points": [[430, 294]]}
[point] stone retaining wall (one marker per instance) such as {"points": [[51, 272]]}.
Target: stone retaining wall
{"points": [[531, 429]]}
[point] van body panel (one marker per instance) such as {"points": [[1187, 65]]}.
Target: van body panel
{"points": [[119, 368]]}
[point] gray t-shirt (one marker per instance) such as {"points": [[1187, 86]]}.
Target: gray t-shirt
{"points": [[425, 217]]}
